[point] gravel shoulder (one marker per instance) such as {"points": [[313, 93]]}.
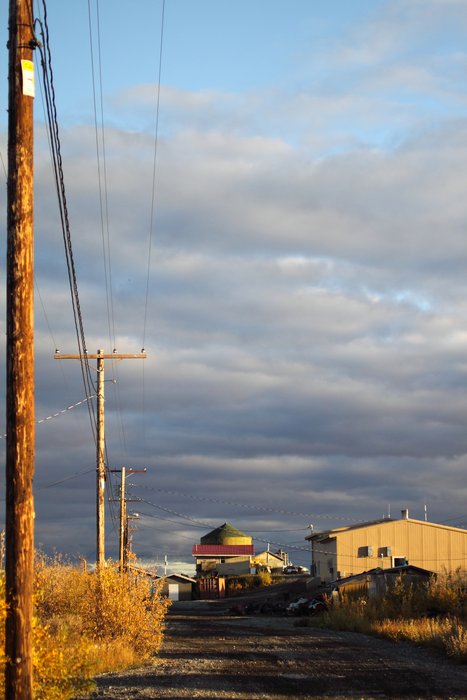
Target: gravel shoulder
{"points": [[210, 654]]}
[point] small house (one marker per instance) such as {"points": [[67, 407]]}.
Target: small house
{"points": [[178, 587], [377, 582]]}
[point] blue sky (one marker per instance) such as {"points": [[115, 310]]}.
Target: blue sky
{"points": [[306, 330], [209, 44]]}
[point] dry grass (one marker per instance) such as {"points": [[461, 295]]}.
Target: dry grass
{"points": [[432, 614], [446, 633], [88, 623]]}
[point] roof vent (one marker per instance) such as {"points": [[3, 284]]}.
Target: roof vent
{"points": [[404, 514]]}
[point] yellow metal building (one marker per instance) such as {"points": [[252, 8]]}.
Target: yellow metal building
{"points": [[387, 543]]}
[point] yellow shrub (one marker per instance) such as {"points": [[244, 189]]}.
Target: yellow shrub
{"points": [[125, 607], [87, 624], [61, 666]]}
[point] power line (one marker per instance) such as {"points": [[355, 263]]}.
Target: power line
{"points": [[59, 413], [295, 547], [67, 478], [263, 509], [53, 130], [200, 523], [154, 168], [3, 165]]}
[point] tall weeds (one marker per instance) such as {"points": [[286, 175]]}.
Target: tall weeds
{"points": [[87, 623], [431, 614]]}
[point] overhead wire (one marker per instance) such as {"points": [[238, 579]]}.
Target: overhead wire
{"points": [[3, 166], [55, 148], [296, 547], [200, 523], [53, 130], [101, 159], [104, 220], [263, 509], [58, 413], [154, 172], [152, 211], [44, 312], [101, 156], [54, 343], [60, 481], [65, 479]]}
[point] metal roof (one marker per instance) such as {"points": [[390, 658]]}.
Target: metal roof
{"points": [[215, 550], [331, 534], [222, 533]]}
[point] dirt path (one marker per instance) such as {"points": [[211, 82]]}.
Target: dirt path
{"points": [[207, 654]]}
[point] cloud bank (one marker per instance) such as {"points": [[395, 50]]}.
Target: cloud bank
{"points": [[306, 312]]}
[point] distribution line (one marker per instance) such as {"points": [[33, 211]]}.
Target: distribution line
{"points": [[204, 524], [284, 545], [66, 478], [154, 170], [61, 481], [53, 130], [151, 222], [264, 509], [101, 158], [60, 413]]}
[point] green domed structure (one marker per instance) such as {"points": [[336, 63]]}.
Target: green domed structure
{"points": [[226, 534]]}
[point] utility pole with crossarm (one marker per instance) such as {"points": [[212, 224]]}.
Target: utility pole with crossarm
{"points": [[100, 441], [123, 529]]}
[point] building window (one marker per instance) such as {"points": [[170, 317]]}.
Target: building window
{"points": [[399, 561]]}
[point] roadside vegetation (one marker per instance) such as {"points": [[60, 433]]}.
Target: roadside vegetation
{"points": [[248, 582], [86, 624], [432, 614]]}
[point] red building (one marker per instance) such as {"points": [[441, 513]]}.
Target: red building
{"points": [[220, 545]]}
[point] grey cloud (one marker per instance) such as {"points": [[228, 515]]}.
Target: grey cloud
{"points": [[305, 328]]}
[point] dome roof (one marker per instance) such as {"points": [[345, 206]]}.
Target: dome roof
{"points": [[226, 534]]}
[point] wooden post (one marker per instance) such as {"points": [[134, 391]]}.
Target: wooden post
{"points": [[20, 357], [126, 541], [121, 549], [123, 536], [100, 463], [100, 438]]}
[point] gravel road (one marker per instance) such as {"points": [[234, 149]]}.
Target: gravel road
{"points": [[210, 654]]}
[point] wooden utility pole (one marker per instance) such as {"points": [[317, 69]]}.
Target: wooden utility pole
{"points": [[100, 463], [20, 356], [127, 546], [123, 529], [100, 439], [121, 543]]}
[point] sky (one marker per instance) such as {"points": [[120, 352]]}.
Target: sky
{"points": [[296, 275]]}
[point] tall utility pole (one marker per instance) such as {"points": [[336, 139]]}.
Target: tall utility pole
{"points": [[100, 440], [123, 529], [100, 463], [20, 356], [121, 543]]}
